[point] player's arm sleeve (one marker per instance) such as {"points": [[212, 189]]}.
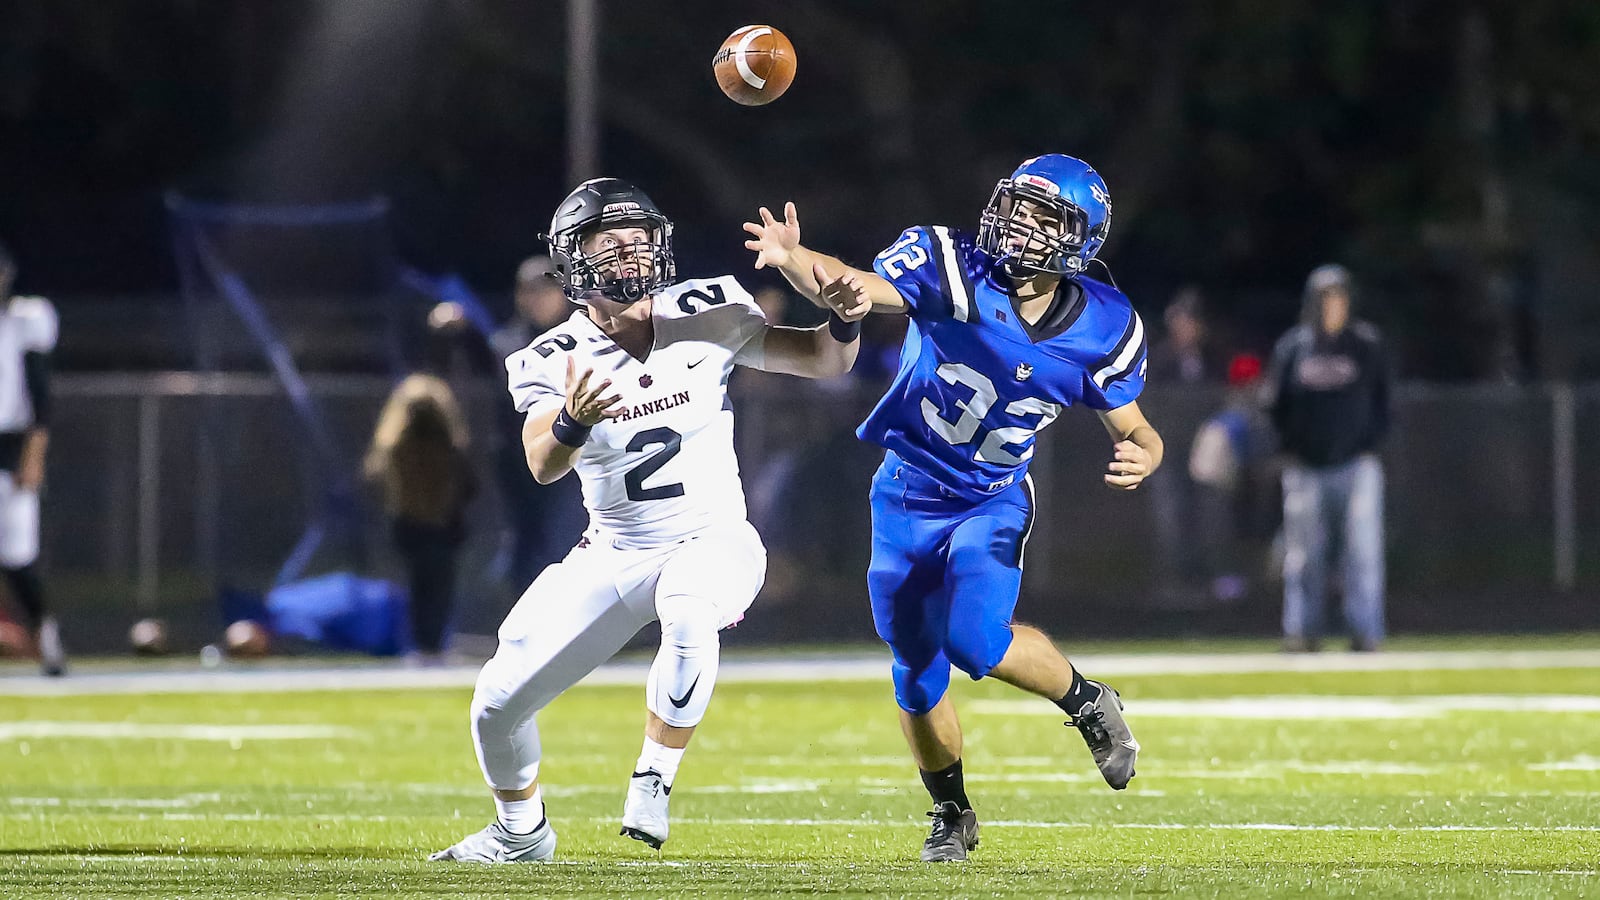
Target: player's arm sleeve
{"points": [[747, 332], [1117, 378], [40, 329], [531, 380], [924, 266], [36, 372]]}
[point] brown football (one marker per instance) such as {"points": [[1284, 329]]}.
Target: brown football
{"points": [[247, 638], [755, 65]]}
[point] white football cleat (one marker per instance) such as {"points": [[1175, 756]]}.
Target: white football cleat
{"points": [[495, 844], [644, 816], [52, 656]]}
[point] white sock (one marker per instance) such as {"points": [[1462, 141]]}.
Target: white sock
{"points": [[661, 758], [521, 816]]}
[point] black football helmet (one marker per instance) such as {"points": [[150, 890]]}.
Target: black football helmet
{"points": [[601, 203]]}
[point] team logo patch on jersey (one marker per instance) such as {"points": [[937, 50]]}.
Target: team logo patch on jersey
{"points": [[1024, 371], [645, 381]]}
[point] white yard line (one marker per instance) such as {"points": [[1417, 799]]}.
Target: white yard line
{"points": [[873, 667], [39, 729], [1318, 706]]}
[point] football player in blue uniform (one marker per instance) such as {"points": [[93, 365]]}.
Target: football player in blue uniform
{"points": [[1007, 330]]}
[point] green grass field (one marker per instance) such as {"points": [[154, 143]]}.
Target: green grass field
{"points": [[1424, 783]]}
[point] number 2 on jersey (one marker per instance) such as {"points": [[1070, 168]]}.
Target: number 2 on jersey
{"points": [[669, 441], [903, 255]]}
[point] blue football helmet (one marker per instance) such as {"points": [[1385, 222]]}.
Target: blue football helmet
{"points": [[1049, 218]]}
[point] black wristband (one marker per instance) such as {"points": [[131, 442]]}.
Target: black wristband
{"points": [[842, 331], [567, 430]]}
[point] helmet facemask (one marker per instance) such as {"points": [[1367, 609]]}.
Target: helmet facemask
{"points": [[620, 272], [1031, 232]]}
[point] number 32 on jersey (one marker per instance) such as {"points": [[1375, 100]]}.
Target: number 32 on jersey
{"points": [[965, 428]]}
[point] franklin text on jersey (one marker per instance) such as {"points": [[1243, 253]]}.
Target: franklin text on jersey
{"points": [[664, 470]]}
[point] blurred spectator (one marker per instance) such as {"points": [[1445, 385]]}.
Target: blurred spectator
{"points": [[541, 521], [1226, 465], [418, 459], [27, 339], [1183, 355], [1328, 397], [1180, 360], [774, 304]]}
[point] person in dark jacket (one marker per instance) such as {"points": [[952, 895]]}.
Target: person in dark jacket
{"points": [[418, 460], [542, 521], [1328, 398]]}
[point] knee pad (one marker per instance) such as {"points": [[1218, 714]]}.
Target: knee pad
{"points": [[19, 529], [685, 668], [978, 651], [919, 690]]}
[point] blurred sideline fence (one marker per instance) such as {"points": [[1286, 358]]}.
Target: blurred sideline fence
{"points": [[1493, 495]]}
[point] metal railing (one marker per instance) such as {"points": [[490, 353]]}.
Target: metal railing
{"points": [[165, 487]]}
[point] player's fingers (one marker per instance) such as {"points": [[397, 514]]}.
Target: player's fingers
{"points": [[753, 245], [582, 386], [821, 275], [791, 218], [572, 371], [755, 229], [766, 217], [597, 390], [1126, 482], [607, 404]]}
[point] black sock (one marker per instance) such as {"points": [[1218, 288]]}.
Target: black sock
{"points": [[29, 593], [946, 786], [1080, 693]]}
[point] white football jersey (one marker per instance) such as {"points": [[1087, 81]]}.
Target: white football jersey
{"points": [[27, 325], [664, 470]]}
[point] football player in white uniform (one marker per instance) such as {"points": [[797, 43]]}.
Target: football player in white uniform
{"points": [[27, 338], [631, 392]]}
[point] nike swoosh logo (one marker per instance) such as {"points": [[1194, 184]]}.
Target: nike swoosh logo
{"points": [[686, 694], [698, 361]]}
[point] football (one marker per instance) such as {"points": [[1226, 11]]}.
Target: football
{"points": [[246, 639], [148, 637], [755, 65]]}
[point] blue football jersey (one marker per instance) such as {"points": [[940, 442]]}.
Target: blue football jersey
{"points": [[976, 382]]}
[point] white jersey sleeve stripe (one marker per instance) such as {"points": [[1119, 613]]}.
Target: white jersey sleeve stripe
{"points": [[1130, 352], [960, 301]]}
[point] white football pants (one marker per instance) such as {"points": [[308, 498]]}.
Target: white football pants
{"points": [[19, 524], [582, 610]]}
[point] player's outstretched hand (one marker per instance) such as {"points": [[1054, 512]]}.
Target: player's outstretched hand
{"points": [[585, 404], [773, 240], [1130, 465], [845, 296]]}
